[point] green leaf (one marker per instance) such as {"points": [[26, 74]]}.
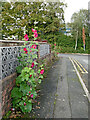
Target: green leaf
{"points": [[39, 71], [41, 76], [15, 102], [28, 107], [39, 81], [26, 69], [16, 93], [19, 79], [24, 88], [19, 69]]}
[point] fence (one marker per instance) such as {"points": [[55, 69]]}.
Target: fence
{"points": [[8, 64]]}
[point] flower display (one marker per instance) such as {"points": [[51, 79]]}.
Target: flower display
{"points": [[32, 64], [33, 30], [42, 71], [31, 96], [30, 76], [26, 37], [26, 90], [35, 33], [24, 103], [33, 46], [55, 44], [25, 50]]}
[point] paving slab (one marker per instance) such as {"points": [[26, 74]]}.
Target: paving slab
{"points": [[61, 94]]}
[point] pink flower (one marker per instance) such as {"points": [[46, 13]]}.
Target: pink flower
{"points": [[35, 35], [32, 64], [24, 103], [57, 53], [26, 37], [33, 30], [42, 71], [31, 96], [33, 46], [25, 50], [55, 44], [29, 92], [30, 50], [30, 76]]}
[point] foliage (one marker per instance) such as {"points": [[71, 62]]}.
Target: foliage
{"points": [[30, 75], [80, 20], [17, 16]]}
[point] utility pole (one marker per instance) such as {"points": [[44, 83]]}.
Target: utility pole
{"points": [[76, 40], [83, 36]]}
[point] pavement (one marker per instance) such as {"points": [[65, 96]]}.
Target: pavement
{"points": [[61, 94]]}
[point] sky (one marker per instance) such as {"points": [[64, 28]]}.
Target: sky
{"points": [[74, 6]]}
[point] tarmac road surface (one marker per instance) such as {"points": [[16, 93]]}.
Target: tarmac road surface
{"points": [[61, 94]]}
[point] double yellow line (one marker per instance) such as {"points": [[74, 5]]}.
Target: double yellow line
{"points": [[82, 69]]}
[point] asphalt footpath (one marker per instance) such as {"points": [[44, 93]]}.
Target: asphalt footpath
{"points": [[61, 94]]}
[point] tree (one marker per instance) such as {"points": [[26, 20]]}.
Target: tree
{"points": [[78, 21], [20, 15]]}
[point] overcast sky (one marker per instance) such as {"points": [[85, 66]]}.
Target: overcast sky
{"points": [[74, 6]]}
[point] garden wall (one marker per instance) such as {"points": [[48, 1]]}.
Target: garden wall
{"points": [[8, 64]]}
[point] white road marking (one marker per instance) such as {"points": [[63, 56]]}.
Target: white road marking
{"points": [[81, 81]]}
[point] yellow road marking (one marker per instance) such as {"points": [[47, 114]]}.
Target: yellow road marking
{"points": [[81, 81], [82, 67], [78, 66]]}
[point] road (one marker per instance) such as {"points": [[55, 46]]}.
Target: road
{"points": [[83, 60], [61, 93]]}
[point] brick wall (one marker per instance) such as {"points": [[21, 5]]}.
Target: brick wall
{"points": [[7, 85]]}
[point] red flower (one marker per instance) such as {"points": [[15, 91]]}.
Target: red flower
{"points": [[26, 37], [30, 76], [55, 44], [25, 50], [24, 103], [31, 96], [29, 92], [57, 53], [33, 46], [32, 64], [42, 71]]}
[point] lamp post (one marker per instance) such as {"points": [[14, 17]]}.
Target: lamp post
{"points": [[83, 36], [76, 40]]}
